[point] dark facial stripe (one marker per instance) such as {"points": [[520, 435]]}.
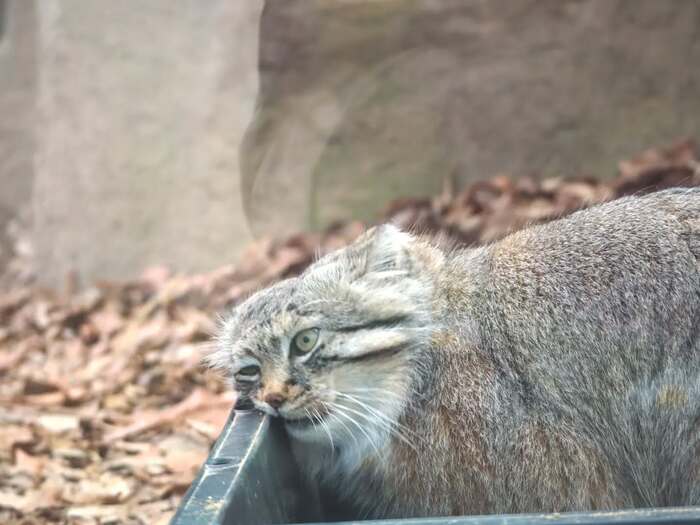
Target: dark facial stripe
{"points": [[389, 322], [375, 354]]}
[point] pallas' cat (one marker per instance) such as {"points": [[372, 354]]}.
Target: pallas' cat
{"points": [[554, 370]]}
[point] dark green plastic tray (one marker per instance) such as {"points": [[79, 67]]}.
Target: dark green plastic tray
{"points": [[250, 479]]}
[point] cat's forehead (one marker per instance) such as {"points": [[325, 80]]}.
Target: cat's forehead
{"points": [[292, 295], [282, 308], [257, 322], [267, 304]]}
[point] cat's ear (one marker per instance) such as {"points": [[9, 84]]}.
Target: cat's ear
{"points": [[388, 249], [390, 280]]}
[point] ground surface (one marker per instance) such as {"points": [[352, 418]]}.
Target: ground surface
{"points": [[106, 412]]}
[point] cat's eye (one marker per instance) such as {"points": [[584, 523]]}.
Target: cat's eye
{"points": [[248, 372], [305, 341]]}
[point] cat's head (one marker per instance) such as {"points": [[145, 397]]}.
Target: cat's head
{"points": [[335, 351]]}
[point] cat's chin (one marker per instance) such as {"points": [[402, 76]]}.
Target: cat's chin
{"points": [[305, 429], [300, 426]]}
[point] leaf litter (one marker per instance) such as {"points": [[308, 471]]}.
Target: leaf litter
{"points": [[105, 408]]}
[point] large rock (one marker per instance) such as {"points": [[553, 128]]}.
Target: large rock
{"points": [[142, 105], [17, 98], [364, 100]]}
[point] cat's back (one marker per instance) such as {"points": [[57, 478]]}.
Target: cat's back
{"points": [[587, 302], [581, 340], [608, 247], [636, 258]]}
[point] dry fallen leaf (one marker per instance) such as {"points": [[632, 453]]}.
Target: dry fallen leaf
{"points": [[58, 423], [12, 435], [199, 399], [105, 489]]}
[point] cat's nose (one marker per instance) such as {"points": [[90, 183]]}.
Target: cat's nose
{"points": [[274, 399]]}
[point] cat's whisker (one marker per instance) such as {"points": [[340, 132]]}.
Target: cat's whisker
{"points": [[375, 394], [361, 401], [340, 410], [349, 431], [379, 422], [311, 418], [325, 428], [392, 423], [403, 435], [358, 400]]}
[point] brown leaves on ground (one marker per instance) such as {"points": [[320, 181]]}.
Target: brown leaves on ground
{"points": [[106, 412], [488, 210]]}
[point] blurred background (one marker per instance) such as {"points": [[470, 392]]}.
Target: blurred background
{"points": [[139, 133], [160, 160]]}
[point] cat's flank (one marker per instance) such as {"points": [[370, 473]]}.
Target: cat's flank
{"points": [[555, 370]]}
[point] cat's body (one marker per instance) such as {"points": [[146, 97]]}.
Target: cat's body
{"points": [[557, 369]]}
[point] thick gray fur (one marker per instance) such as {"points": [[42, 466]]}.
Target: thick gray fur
{"points": [[555, 370]]}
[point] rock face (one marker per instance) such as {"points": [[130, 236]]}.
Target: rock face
{"points": [[132, 155], [17, 97], [362, 100], [142, 106]]}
